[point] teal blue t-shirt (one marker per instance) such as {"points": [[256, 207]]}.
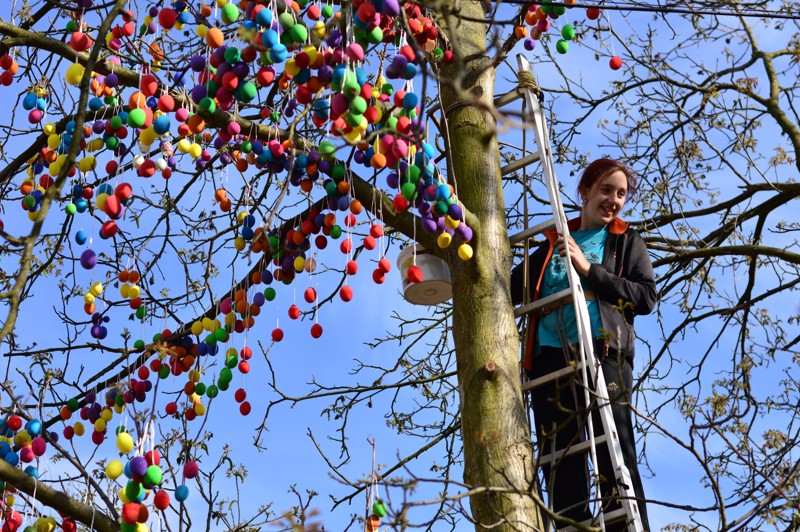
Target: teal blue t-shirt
{"points": [[561, 321]]}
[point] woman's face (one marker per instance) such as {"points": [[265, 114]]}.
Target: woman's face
{"points": [[604, 201]]}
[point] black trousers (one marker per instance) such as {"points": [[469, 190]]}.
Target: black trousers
{"points": [[560, 415]]}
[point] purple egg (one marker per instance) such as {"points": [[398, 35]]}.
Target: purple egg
{"points": [[198, 93], [334, 39], [138, 466], [392, 180], [88, 259], [258, 300], [197, 63], [241, 69], [455, 212], [464, 232], [429, 225], [390, 8], [99, 126], [95, 331]]}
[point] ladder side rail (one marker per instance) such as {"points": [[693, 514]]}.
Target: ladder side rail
{"points": [[586, 348]]}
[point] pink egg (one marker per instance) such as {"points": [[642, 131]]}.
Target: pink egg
{"points": [[355, 53]]}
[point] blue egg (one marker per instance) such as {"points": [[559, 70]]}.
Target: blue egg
{"points": [[34, 427], [5, 448], [278, 53], [31, 471], [247, 233], [105, 188], [11, 458], [182, 491], [161, 124], [249, 220], [70, 127], [264, 17], [29, 102], [270, 37], [410, 71], [81, 204], [95, 104], [41, 104], [81, 237]]}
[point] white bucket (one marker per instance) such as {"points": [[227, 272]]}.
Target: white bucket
{"points": [[435, 286]]}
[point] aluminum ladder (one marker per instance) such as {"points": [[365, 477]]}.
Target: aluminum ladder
{"points": [[592, 373]]}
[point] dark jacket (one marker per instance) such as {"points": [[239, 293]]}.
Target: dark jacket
{"points": [[624, 285]]}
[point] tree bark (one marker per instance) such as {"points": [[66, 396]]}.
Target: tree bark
{"points": [[498, 455]]}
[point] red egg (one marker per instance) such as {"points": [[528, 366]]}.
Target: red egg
{"points": [[378, 276], [161, 500], [294, 312], [240, 395], [384, 265], [277, 335], [346, 293], [244, 408], [316, 330], [414, 274], [351, 267], [310, 295], [615, 63]]}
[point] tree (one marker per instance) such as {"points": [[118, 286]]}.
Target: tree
{"points": [[690, 126]]}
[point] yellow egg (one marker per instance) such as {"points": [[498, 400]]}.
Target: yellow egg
{"points": [[123, 496], [134, 292], [194, 398], [147, 136], [194, 375], [195, 150], [319, 30], [107, 414], [241, 216], [444, 240], [53, 141], [95, 145], [239, 242], [124, 442], [10, 500], [118, 409], [197, 328], [299, 263], [97, 288], [291, 68], [49, 128], [215, 324], [200, 409], [230, 318], [465, 251], [100, 425], [79, 428], [208, 324], [87, 164], [201, 31], [124, 290], [221, 3], [88, 298], [183, 145], [74, 74], [450, 223]]}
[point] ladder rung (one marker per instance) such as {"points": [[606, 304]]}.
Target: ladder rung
{"points": [[581, 447], [519, 163], [531, 231], [544, 379], [613, 516], [502, 100], [548, 301]]}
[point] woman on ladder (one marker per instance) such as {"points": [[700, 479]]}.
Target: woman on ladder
{"points": [[617, 277]]}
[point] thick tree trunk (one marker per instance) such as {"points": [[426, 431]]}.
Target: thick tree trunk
{"points": [[497, 444]]}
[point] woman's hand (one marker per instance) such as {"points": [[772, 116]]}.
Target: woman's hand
{"points": [[579, 261]]}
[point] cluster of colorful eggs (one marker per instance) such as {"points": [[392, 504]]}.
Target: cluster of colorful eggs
{"points": [[10, 69], [540, 19], [374, 520], [23, 444]]}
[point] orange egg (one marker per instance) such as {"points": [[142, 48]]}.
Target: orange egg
{"points": [[215, 37]]}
